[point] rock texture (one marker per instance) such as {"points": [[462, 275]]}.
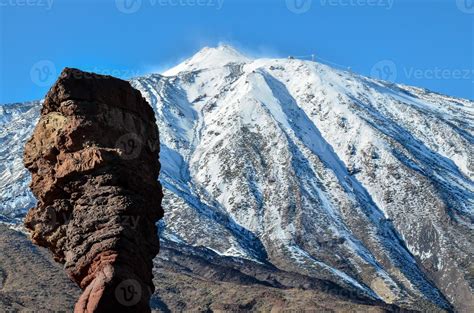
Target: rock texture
{"points": [[93, 158]]}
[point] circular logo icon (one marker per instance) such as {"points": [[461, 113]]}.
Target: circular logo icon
{"points": [[43, 73], [298, 6], [466, 6], [384, 70], [128, 292], [128, 6], [129, 146]]}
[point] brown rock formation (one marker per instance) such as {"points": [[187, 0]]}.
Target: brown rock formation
{"points": [[94, 164]]}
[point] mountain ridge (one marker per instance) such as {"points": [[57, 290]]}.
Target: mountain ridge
{"points": [[314, 170]]}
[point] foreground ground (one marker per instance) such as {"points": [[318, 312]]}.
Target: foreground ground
{"points": [[31, 280]]}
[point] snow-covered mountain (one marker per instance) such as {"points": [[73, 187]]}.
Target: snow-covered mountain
{"points": [[306, 168]]}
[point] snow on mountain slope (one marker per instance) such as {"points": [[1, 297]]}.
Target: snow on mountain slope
{"points": [[209, 58], [314, 170], [16, 125]]}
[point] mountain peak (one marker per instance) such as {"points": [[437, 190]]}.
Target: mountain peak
{"points": [[209, 57], [220, 48]]}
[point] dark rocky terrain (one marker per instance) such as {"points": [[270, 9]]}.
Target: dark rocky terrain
{"points": [[29, 277], [32, 281], [93, 157], [195, 280]]}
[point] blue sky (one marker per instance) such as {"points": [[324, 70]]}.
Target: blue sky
{"points": [[426, 43]]}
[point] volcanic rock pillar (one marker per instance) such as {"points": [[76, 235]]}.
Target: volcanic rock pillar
{"points": [[94, 162]]}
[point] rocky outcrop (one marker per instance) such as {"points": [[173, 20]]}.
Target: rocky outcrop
{"points": [[94, 162]]}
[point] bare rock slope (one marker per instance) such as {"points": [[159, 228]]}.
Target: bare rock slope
{"points": [[189, 281], [30, 280], [93, 157]]}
